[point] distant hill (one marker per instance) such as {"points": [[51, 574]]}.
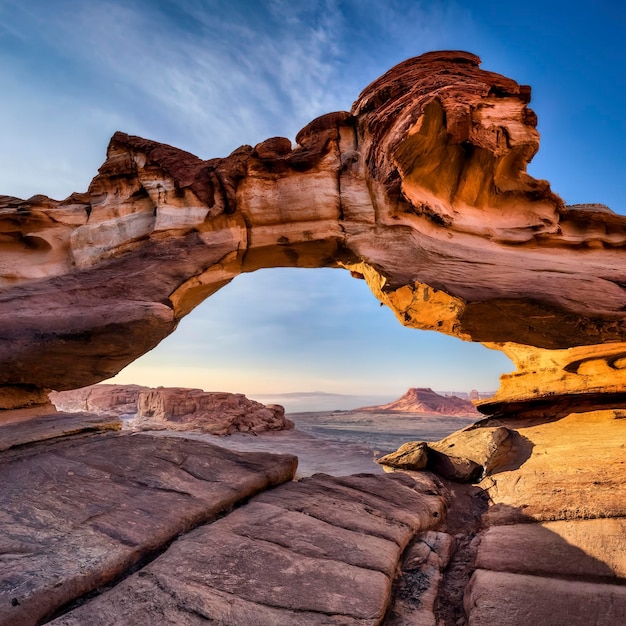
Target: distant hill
{"points": [[425, 400]]}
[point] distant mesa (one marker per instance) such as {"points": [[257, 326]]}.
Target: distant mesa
{"points": [[425, 400]]}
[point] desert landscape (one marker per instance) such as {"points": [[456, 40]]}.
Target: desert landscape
{"points": [[138, 505]]}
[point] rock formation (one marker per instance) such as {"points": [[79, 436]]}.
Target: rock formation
{"points": [[422, 191], [175, 408], [424, 400]]}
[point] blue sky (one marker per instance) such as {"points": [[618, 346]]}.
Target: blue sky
{"points": [[208, 76]]}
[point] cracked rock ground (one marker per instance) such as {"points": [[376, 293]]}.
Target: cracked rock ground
{"points": [[112, 528]]}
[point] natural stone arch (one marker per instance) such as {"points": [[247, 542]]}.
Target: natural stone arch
{"points": [[421, 190]]}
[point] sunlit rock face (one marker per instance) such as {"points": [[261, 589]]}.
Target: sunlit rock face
{"points": [[421, 190]]}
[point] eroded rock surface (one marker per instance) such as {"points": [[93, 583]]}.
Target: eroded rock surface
{"points": [[421, 189], [29, 428], [120, 400], [550, 540], [321, 551], [553, 546], [79, 512]]}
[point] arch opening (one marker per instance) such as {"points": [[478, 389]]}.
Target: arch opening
{"points": [[288, 330]]}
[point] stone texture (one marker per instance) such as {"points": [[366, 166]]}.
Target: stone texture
{"points": [[416, 589], [552, 550], [520, 600], [120, 400], [424, 400], [412, 455], [490, 448], [321, 551], [567, 467], [79, 512], [175, 408], [210, 412], [421, 189], [576, 379], [465, 456]]}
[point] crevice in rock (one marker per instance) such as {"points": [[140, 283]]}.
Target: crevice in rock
{"points": [[467, 503]]}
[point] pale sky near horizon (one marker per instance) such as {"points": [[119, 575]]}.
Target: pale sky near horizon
{"points": [[208, 76]]}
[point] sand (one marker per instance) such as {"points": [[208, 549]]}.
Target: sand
{"points": [[338, 443]]}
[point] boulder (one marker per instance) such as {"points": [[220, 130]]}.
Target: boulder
{"points": [[465, 456], [412, 455]]}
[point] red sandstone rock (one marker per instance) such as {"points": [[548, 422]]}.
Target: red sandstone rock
{"points": [[321, 551], [108, 399], [422, 191], [521, 600], [175, 408]]}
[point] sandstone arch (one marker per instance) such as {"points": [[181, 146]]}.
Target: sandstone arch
{"points": [[421, 190]]}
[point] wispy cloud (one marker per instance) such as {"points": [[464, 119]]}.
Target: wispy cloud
{"points": [[205, 75]]}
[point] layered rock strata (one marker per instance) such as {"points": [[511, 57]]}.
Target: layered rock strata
{"points": [[215, 413], [420, 189], [551, 543], [79, 512], [554, 539]]}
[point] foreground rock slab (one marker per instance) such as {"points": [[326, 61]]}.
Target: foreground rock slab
{"points": [[521, 600], [77, 513], [320, 551], [568, 468], [553, 550], [591, 548]]}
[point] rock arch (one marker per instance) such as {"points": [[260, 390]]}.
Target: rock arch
{"points": [[421, 190]]}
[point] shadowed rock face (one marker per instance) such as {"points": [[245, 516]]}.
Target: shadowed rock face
{"points": [[421, 190]]}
